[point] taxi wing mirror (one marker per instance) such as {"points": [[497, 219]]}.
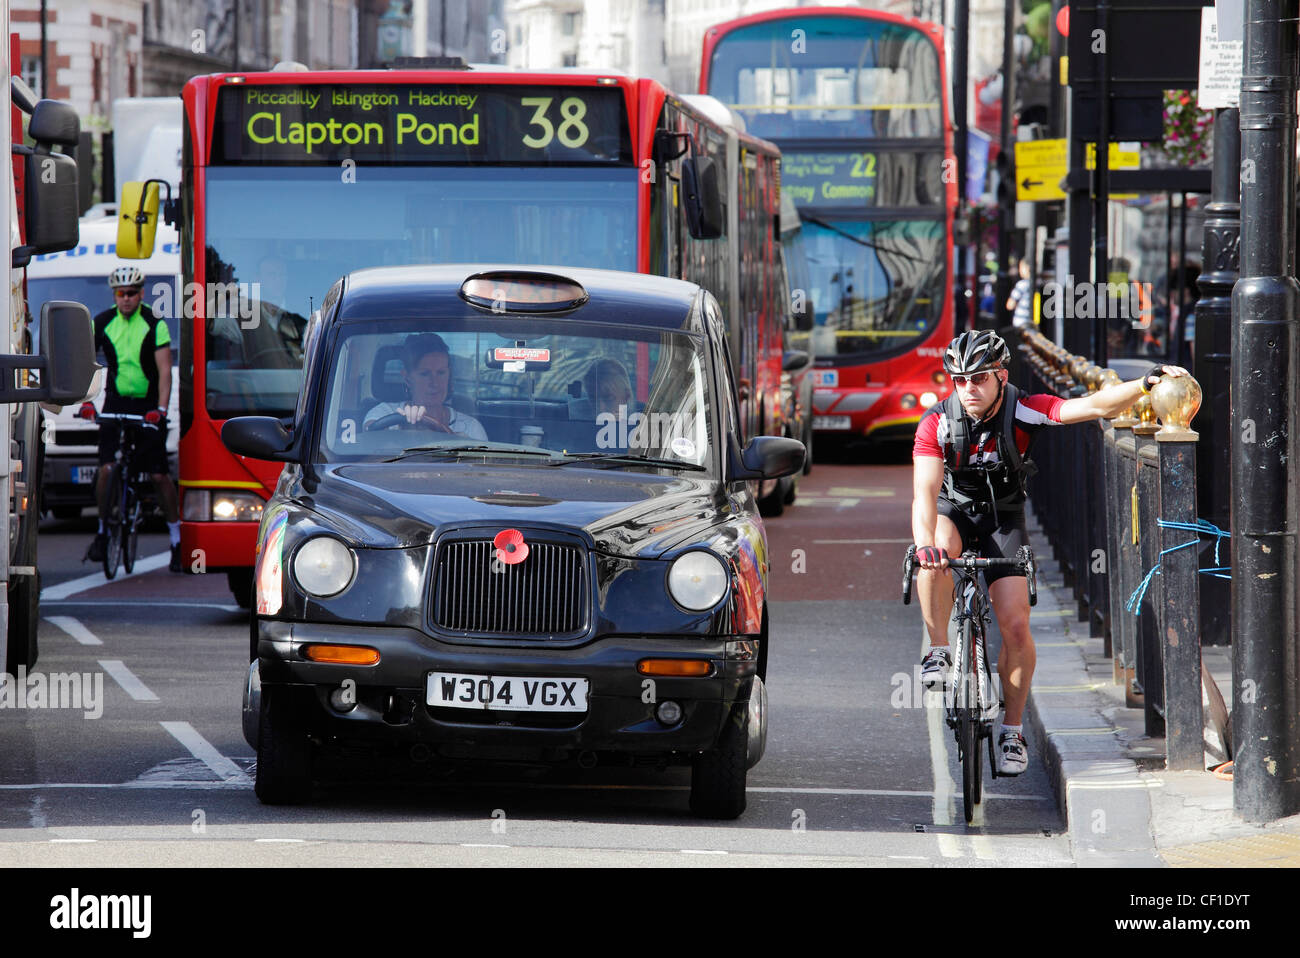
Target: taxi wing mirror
{"points": [[258, 437], [767, 457]]}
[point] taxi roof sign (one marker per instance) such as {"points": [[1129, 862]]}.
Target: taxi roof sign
{"points": [[519, 292]]}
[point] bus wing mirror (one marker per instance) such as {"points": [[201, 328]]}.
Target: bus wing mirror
{"points": [[68, 347], [258, 437], [137, 221], [703, 198]]}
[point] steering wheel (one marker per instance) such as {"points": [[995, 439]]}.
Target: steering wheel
{"points": [[399, 419]]}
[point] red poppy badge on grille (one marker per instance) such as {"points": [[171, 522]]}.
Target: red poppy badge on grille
{"points": [[511, 548]]}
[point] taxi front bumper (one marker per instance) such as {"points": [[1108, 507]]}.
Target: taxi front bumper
{"points": [[391, 706]]}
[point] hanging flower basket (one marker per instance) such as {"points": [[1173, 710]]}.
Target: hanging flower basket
{"points": [[1189, 131]]}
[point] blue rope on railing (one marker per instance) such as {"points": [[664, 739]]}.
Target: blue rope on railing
{"points": [[1200, 526]]}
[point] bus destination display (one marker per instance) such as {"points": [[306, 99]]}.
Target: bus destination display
{"points": [[433, 123]]}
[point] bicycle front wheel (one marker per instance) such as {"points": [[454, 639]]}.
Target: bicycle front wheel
{"points": [[968, 723], [130, 531], [113, 550]]}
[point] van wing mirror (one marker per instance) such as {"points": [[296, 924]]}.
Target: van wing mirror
{"points": [[66, 363]]}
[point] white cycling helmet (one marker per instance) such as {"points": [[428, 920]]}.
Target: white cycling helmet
{"points": [[126, 276]]}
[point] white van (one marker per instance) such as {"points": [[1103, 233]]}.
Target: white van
{"points": [[81, 275]]}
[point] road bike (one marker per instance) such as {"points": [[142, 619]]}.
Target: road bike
{"points": [[126, 496], [971, 702]]}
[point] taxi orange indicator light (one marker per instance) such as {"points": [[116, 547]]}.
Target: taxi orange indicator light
{"points": [[676, 668], [341, 654]]}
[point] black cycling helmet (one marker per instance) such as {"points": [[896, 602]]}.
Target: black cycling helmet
{"points": [[975, 350]]}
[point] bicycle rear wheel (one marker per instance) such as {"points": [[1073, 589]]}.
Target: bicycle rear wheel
{"points": [[130, 530], [113, 526]]}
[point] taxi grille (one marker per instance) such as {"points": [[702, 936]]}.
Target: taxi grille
{"points": [[546, 594]]}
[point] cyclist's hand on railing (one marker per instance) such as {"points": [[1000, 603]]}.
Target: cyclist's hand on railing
{"points": [[87, 410], [1160, 369], [931, 557]]}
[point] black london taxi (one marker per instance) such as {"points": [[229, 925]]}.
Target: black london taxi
{"points": [[516, 524]]}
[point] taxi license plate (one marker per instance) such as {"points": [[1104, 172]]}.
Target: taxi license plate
{"points": [[831, 422], [84, 475], [507, 693]]}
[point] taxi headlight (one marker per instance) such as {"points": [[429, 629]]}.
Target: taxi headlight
{"points": [[323, 566], [697, 580]]}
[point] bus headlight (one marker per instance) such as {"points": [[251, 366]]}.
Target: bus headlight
{"points": [[230, 506], [908, 401], [323, 566], [928, 400], [697, 580]]}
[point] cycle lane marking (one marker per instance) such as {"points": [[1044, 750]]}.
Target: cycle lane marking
{"points": [[73, 586], [205, 752], [74, 628]]}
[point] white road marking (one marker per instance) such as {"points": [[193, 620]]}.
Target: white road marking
{"points": [[703, 851], [861, 542], [473, 845], [282, 841], [982, 843], [124, 677], [73, 841], [204, 751], [73, 586], [74, 629]]}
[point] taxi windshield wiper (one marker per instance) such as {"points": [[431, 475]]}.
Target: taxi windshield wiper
{"points": [[618, 458], [476, 447]]}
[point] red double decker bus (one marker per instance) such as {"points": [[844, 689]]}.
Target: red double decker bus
{"points": [[293, 178], [857, 101]]}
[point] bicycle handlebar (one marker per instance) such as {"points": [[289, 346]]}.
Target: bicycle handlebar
{"points": [[1024, 561], [125, 417]]}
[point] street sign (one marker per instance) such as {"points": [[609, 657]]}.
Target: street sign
{"points": [[1040, 166], [1120, 156], [1219, 85]]}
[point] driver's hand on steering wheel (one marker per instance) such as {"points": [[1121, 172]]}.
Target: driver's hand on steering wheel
{"points": [[418, 416]]}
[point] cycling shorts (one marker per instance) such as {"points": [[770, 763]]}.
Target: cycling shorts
{"points": [[992, 539]]}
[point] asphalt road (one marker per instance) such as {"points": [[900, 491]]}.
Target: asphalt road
{"points": [[857, 772]]}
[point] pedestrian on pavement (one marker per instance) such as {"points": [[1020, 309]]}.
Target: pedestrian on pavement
{"points": [[970, 462], [1021, 301], [136, 347]]}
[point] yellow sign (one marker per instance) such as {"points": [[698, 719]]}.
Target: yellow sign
{"points": [[1042, 164], [1117, 158], [1040, 167]]}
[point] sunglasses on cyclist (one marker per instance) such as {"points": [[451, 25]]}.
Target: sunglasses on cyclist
{"points": [[127, 291], [975, 379]]}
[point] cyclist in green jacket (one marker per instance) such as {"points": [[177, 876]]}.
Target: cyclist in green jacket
{"points": [[137, 351]]}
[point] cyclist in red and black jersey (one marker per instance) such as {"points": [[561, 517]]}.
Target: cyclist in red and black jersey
{"points": [[970, 461]]}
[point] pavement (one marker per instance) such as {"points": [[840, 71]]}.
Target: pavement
{"points": [[1122, 808]]}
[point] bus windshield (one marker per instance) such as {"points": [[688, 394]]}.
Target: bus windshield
{"points": [[840, 77], [278, 237], [876, 286]]}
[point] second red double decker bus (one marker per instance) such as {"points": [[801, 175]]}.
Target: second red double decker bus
{"points": [[857, 101]]}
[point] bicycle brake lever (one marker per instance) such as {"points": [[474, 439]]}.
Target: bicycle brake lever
{"points": [[909, 561]]}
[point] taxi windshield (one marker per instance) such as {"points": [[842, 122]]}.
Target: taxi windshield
{"points": [[569, 391]]}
